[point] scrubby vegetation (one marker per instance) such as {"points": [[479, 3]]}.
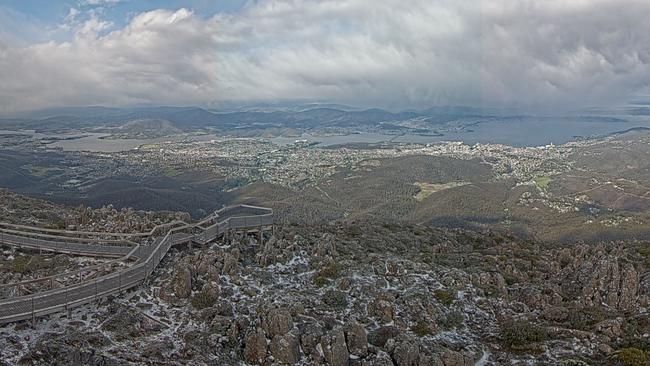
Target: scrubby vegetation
{"points": [[422, 328], [21, 264], [446, 297], [336, 299], [328, 272], [522, 334], [633, 357], [205, 298], [451, 320]]}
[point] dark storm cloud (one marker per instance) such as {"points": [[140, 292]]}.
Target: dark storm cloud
{"points": [[542, 54]]}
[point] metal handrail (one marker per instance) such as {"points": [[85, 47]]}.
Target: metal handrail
{"points": [[77, 272], [47, 302]]}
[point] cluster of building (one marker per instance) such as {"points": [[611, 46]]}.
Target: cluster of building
{"points": [[300, 164]]}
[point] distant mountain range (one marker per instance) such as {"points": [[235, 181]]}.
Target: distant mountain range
{"points": [[295, 117], [189, 118]]}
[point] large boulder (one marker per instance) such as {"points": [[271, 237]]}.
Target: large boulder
{"points": [[205, 262], [277, 322], [555, 313], [255, 347], [310, 335], [453, 358], [611, 327], [182, 282], [379, 359], [356, 339], [285, 349], [229, 264], [599, 282], [381, 335], [491, 281], [406, 352], [601, 276], [334, 348], [325, 247], [382, 308]]}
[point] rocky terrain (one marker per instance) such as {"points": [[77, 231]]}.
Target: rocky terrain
{"points": [[364, 294], [18, 209]]}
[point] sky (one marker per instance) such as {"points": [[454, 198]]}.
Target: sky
{"points": [[395, 54]]}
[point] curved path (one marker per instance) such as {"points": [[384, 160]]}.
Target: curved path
{"points": [[148, 256]]}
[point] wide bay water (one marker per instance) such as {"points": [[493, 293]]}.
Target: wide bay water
{"points": [[510, 132], [515, 133]]}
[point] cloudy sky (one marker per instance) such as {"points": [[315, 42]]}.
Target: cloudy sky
{"points": [[547, 54]]}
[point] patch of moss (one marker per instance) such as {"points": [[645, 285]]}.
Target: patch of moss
{"points": [[391, 226], [27, 264], [585, 318], [419, 232], [633, 357], [331, 270], [518, 334], [58, 224], [335, 299], [20, 264], [354, 231], [204, 299], [422, 329], [444, 296], [320, 281], [452, 320], [644, 251], [510, 279]]}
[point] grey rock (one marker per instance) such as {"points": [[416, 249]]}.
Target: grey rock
{"points": [[255, 347], [277, 322], [334, 348], [356, 339], [285, 348]]}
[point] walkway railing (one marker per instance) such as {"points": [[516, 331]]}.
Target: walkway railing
{"points": [[65, 298]]}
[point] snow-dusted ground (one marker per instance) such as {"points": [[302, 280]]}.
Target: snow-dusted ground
{"points": [[300, 290]]}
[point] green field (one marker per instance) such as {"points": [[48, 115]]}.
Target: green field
{"points": [[40, 171], [427, 189], [543, 182], [171, 172]]}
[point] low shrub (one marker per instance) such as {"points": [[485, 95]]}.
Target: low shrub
{"points": [[331, 270], [21, 264], [445, 297], [335, 299], [320, 281], [451, 320], [28, 264], [205, 299], [422, 328], [633, 357], [522, 333]]}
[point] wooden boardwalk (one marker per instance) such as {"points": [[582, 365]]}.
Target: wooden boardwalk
{"points": [[146, 256]]}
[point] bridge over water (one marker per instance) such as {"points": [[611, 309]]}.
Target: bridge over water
{"points": [[144, 256]]}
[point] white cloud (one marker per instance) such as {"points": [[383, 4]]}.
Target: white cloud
{"points": [[100, 2], [531, 53], [72, 15]]}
